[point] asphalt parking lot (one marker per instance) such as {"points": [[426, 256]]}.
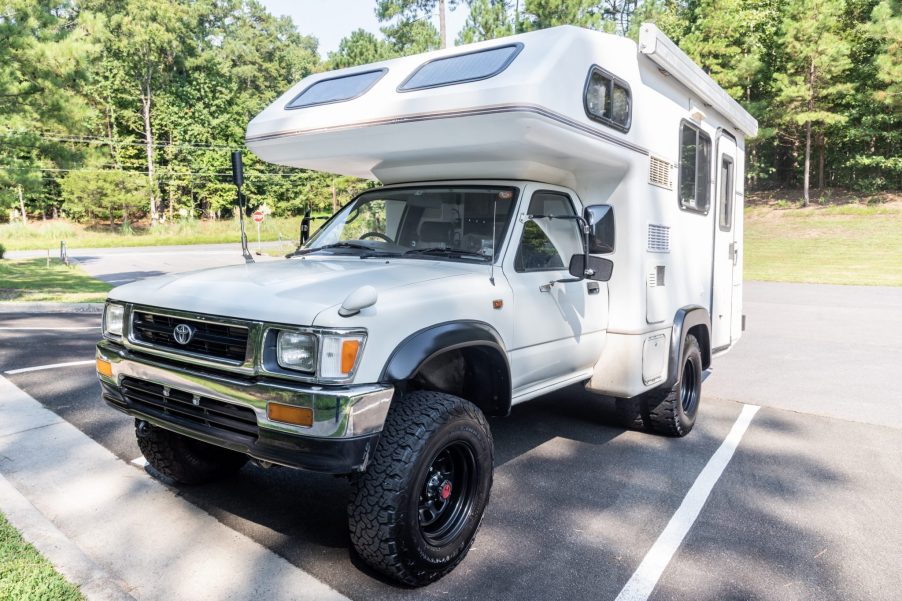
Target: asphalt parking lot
{"points": [[806, 508]]}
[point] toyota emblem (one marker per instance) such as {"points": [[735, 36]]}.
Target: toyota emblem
{"points": [[183, 333]]}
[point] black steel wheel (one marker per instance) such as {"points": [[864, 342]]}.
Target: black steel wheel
{"points": [[669, 411], [414, 513], [448, 493]]}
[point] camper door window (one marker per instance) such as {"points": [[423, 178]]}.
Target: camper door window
{"points": [[695, 169]]}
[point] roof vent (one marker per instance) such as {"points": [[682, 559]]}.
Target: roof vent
{"points": [[658, 238], [659, 172]]}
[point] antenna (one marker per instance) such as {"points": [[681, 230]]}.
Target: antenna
{"points": [[494, 242]]}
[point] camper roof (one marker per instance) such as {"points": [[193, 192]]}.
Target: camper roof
{"points": [[516, 107]]}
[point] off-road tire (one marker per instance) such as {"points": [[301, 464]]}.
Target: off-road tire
{"points": [[384, 513], [185, 460], [671, 412]]}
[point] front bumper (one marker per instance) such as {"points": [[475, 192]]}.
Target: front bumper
{"points": [[347, 420]]}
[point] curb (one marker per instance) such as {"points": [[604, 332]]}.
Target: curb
{"points": [[93, 582], [48, 307]]}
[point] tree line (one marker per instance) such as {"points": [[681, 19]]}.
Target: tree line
{"points": [[115, 110]]}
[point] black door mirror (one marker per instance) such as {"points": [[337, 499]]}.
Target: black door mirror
{"points": [[600, 219], [591, 268]]}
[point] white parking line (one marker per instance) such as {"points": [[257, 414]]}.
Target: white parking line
{"points": [[139, 461], [646, 576], [46, 328], [12, 372]]}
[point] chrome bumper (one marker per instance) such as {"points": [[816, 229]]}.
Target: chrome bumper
{"points": [[339, 412]]}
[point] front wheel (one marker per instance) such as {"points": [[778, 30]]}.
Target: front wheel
{"points": [[414, 513]]}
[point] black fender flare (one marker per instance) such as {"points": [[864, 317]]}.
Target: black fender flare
{"points": [[686, 318], [418, 348]]}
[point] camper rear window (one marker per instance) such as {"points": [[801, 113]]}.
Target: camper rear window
{"points": [[607, 99], [461, 68], [336, 89], [695, 169]]}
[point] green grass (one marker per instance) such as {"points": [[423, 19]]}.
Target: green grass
{"points": [[41, 235], [30, 280], [25, 575], [842, 244]]}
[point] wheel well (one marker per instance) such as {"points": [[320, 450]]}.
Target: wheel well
{"points": [[477, 373], [701, 334]]}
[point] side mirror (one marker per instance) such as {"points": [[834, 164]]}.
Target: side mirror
{"points": [[305, 227], [591, 268], [600, 219]]}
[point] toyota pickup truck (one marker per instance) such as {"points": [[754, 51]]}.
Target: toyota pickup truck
{"points": [[556, 208]]}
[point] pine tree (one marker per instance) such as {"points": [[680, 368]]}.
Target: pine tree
{"points": [[816, 59]]}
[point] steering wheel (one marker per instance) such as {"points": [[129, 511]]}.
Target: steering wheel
{"points": [[377, 235]]}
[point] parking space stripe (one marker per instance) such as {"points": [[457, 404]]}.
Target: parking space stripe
{"points": [[645, 578], [12, 372]]}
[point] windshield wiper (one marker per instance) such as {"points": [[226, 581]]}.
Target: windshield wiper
{"points": [[450, 252], [371, 252], [351, 245]]}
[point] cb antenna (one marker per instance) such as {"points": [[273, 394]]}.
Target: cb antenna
{"points": [[238, 180]]}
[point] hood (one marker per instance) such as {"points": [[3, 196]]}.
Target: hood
{"points": [[289, 291]]}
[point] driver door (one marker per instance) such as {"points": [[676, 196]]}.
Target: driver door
{"points": [[559, 327]]}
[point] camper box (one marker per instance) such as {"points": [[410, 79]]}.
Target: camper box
{"points": [[640, 128]]}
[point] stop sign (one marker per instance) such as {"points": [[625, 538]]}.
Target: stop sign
{"points": [[258, 216]]}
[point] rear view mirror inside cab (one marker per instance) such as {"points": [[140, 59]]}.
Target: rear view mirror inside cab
{"points": [[600, 219]]}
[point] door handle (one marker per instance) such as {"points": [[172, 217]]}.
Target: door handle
{"points": [[592, 287], [733, 253]]}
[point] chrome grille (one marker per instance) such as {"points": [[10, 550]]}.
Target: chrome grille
{"points": [[154, 399], [208, 338]]}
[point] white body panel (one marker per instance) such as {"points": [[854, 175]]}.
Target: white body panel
{"points": [[525, 127]]}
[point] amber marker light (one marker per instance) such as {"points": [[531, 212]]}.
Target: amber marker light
{"points": [[288, 414], [497, 303], [104, 368], [349, 350]]}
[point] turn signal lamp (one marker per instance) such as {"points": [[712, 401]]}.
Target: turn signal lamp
{"points": [[104, 368], [339, 356], [288, 414]]}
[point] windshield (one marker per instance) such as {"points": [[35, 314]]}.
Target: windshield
{"points": [[462, 223]]}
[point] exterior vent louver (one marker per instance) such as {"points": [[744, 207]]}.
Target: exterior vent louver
{"points": [[658, 238], [659, 173]]}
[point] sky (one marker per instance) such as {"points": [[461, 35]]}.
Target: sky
{"points": [[331, 20]]}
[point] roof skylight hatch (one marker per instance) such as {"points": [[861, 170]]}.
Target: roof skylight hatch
{"points": [[461, 68], [336, 89]]}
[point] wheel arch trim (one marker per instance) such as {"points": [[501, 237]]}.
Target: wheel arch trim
{"points": [[686, 319], [419, 348]]}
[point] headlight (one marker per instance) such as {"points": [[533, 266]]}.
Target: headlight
{"points": [[297, 351], [339, 356], [113, 318]]}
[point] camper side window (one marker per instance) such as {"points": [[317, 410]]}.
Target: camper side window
{"points": [[695, 169], [607, 99]]}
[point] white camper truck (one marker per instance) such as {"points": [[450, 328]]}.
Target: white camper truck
{"points": [[557, 207]]}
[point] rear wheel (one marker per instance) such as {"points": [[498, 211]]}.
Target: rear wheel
{"points": [[414, 514], [672, 411], [183, 459]]}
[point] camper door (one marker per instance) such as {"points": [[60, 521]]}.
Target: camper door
{"points": [[725, 271]]}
